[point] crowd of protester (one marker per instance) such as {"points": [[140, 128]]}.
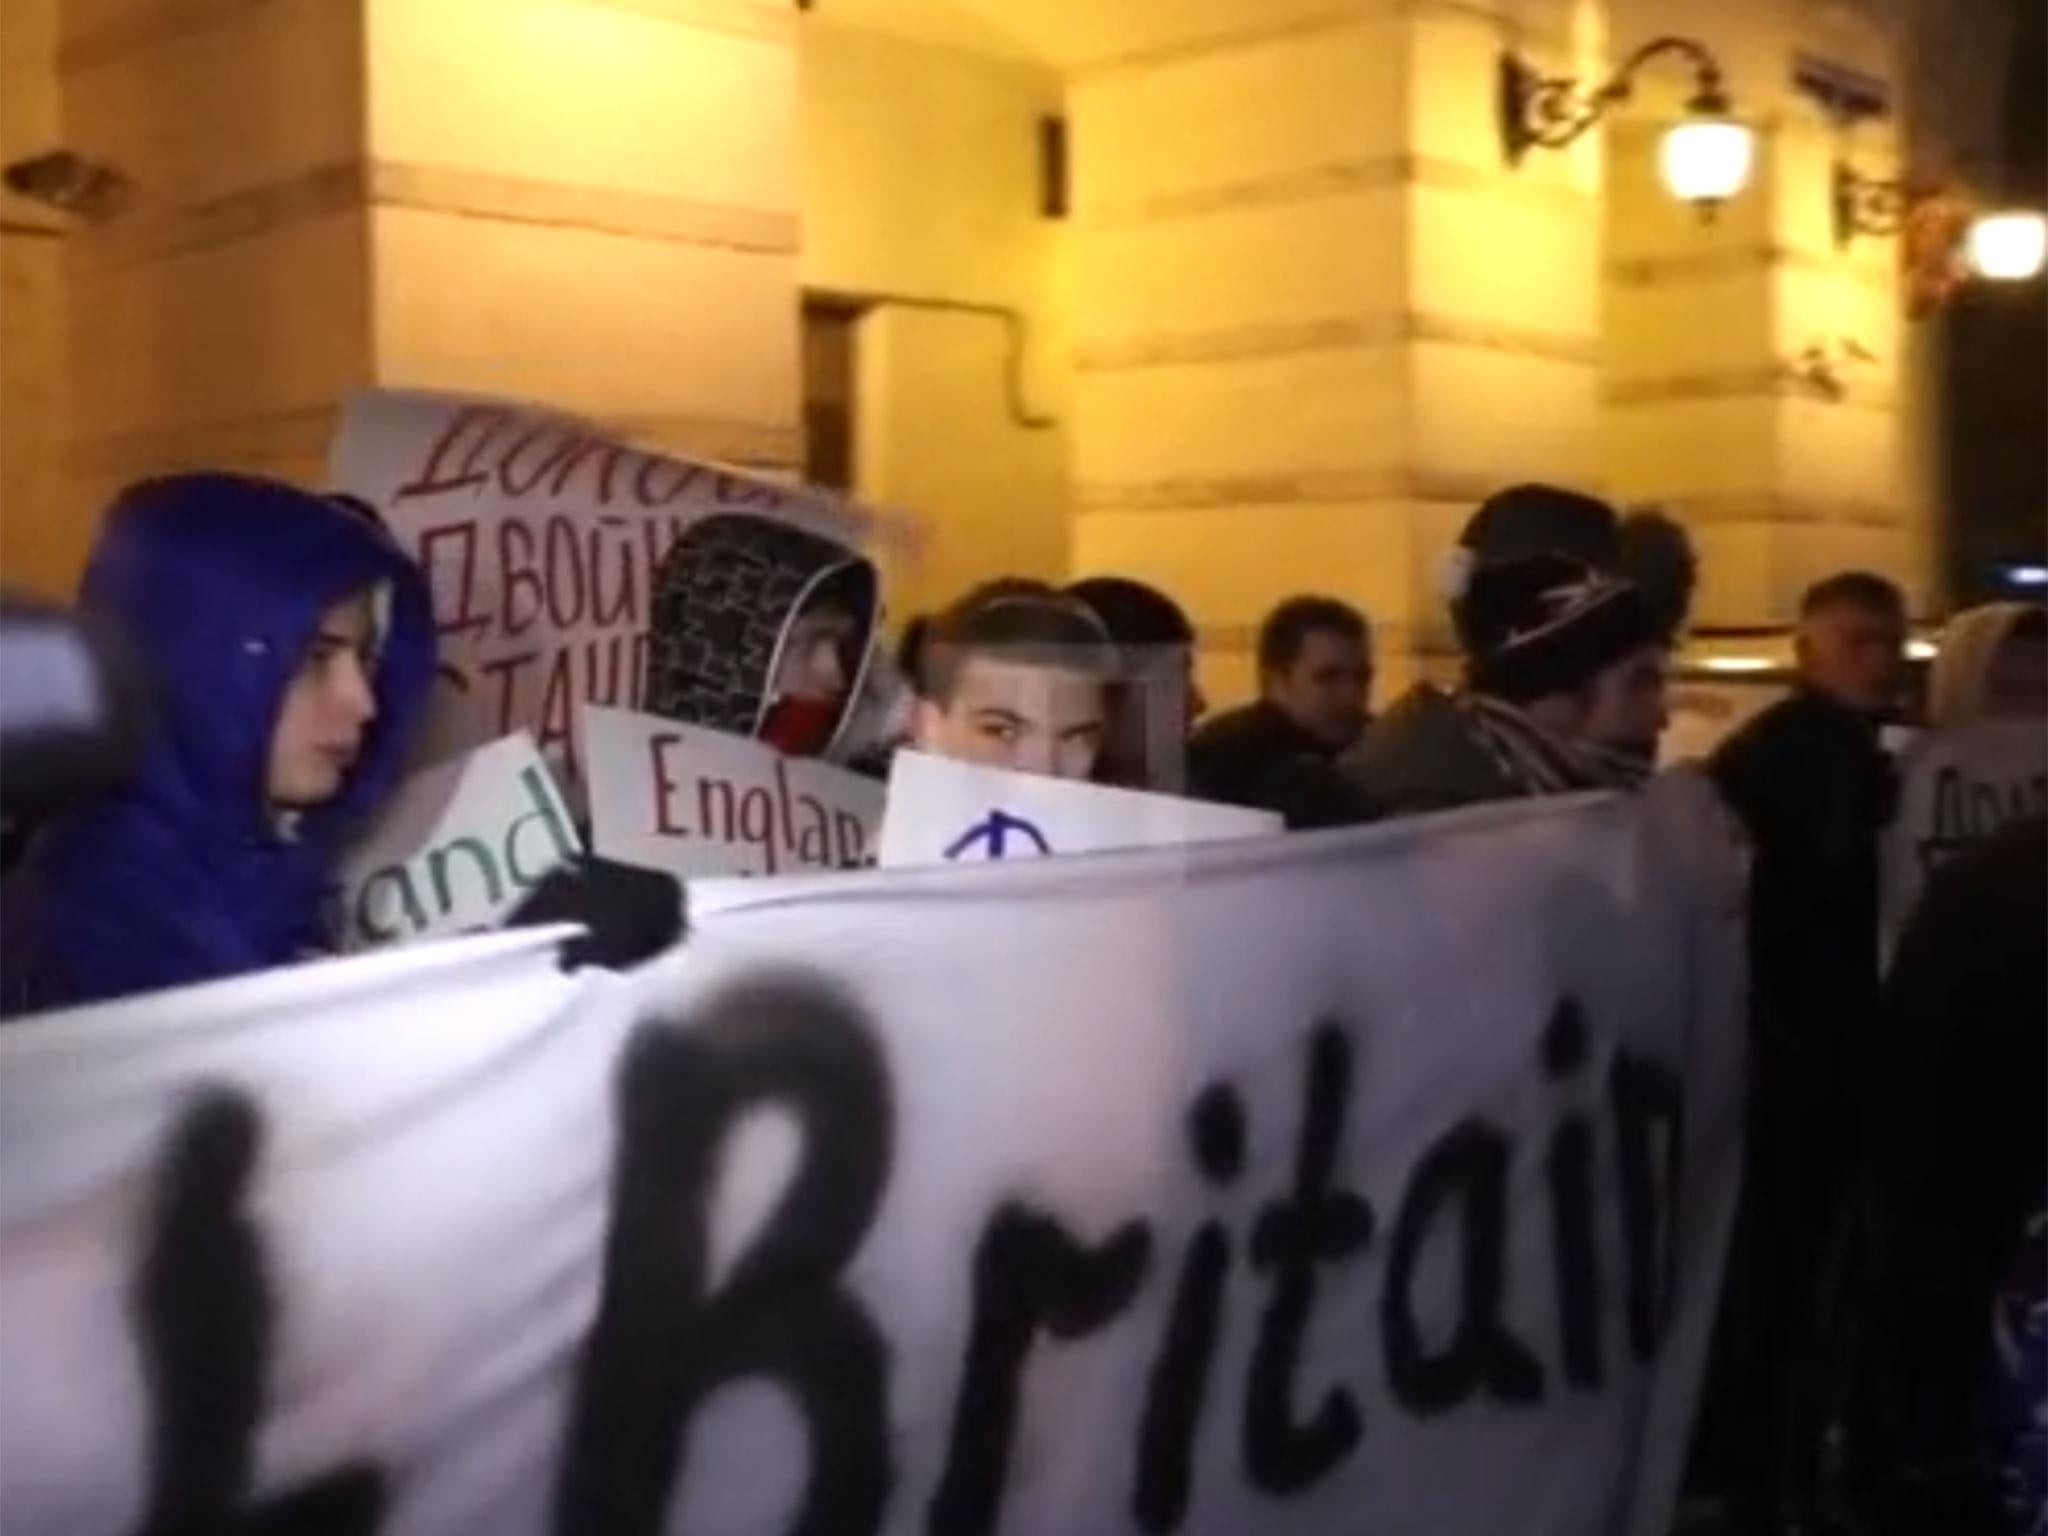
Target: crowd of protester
{"points": [[1894, 1167]]}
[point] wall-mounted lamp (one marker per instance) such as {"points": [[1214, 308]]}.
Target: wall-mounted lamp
{"points": [[1704, 159], [2006, 245], [2009, 246], [2001, 245]]}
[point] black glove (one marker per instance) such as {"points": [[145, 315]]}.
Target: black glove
{"points": [[629, 914]]}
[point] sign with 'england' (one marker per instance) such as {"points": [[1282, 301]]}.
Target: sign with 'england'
{"points": [[456, 848], [1376, 1180], [540, 535], [945, 812], [695, 802], [1956, 788]]}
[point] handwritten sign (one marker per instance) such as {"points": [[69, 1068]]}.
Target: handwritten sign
{"points": [[1956, 788], [540, 535], [695, 802], [942, 812], [1376, 1180], [457, 848]]}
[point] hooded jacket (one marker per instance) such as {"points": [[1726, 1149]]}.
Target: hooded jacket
{"points": [[187, 874], [725, 600], [1959, 682]]}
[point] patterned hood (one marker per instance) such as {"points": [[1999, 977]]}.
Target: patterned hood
{"points": [[725, 599]]}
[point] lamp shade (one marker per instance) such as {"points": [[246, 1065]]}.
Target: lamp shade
{"points": [[2008, 246], [1706, 159]]}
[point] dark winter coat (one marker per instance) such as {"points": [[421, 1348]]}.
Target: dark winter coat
{"points": [[1258, 757], [187, 874]]}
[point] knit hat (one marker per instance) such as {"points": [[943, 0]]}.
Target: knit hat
{"points": [[1536, 519], [1545, 624]]}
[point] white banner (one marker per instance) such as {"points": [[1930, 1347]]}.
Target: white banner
{"points": [[1956, 788], [1366, 1181], [458, 847], [541, 536], [945, 812], [695, 802]]}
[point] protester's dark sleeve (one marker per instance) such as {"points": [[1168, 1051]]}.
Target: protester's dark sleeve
{"points": [[630, 914], [1955, 1134], [1813, 792]]}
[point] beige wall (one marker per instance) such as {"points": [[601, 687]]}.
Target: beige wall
{"points": [[1301, 356], [220, 317], [1754, 370], [33, 508], [593, 205], [920, 183]]}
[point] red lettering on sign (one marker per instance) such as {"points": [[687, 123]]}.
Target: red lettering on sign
{"points": [[506, 670], [613, 649], [666, 785], [742, 491], [557, 706], [462, 587], [479, 424], [508, 466], [565, 575], [644, 481], [519, 572], [608, 454], [627, 609]]}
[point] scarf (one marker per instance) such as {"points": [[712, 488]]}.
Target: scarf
{"points": [[1539, 762]]}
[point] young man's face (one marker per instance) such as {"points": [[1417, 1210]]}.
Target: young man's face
{"points": [[1855, 654], [331, 701], [1627, 708], [1027, 717], [816, 656], [1325, 690]]}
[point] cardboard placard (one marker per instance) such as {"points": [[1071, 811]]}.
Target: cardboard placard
{"points": [[541, 535], [1956, 788], [694, 802], [457, 848], [945, 812]]}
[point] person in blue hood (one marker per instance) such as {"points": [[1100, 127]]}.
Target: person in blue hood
{"points": [[291, 647]]}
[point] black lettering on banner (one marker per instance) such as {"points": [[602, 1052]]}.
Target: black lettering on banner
{"points": [[1313, 1225], [1649, 1119], [1030, 1275], [1179, 1384], [206, 1322], [1573, 1234], [566, 574], [520, 572], [663, 1340], [1467, 1168]]}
